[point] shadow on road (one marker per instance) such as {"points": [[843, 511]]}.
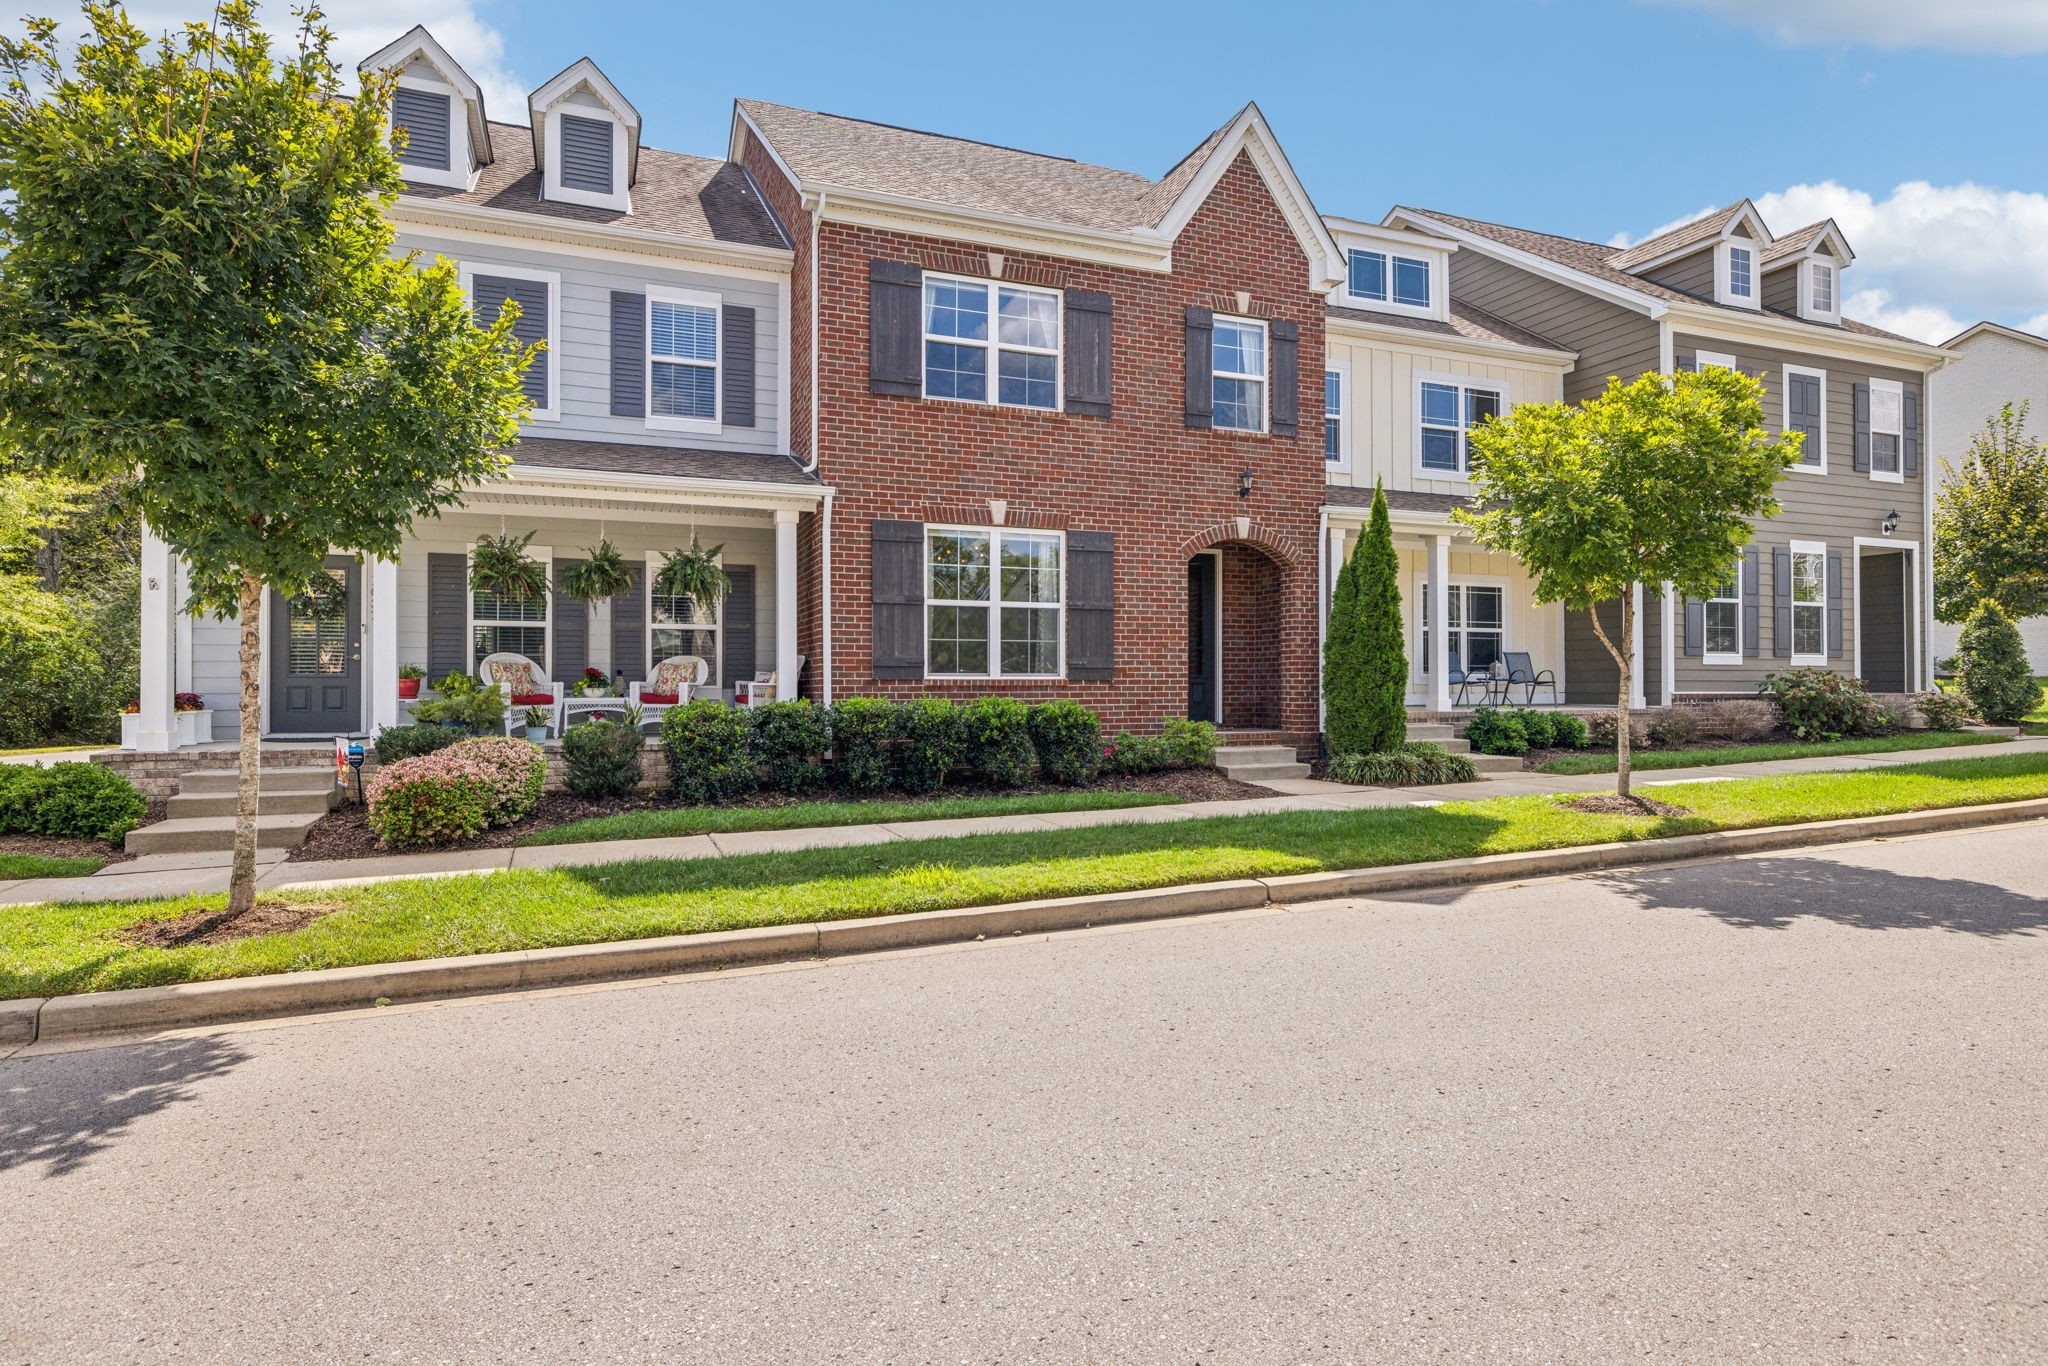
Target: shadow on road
{"points": [[1771, 893], [62, 1110]]}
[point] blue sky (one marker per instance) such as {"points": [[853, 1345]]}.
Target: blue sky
{"points": [[1915, 122]]}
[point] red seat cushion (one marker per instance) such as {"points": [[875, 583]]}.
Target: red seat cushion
{"points": [[660, 699], [533, 699]]}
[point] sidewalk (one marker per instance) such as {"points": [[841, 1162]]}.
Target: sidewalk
{"points": [[164, 875]]}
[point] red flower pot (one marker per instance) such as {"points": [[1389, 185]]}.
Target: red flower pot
{"points": [[408, 688]]}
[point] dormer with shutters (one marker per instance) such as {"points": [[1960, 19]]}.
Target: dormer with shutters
{"points": [[439, 130], [586, 139], [1803, 273]]}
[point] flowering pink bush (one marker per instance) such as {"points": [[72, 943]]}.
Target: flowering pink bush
{"points": [[455, 793], [517, 768]]}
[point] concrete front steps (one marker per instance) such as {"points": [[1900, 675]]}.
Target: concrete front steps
{"points": [[201, 816], [1445, 736], [1258, 763]]}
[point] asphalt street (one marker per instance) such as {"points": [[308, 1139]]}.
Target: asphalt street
{"points": [[1782, 1108]]}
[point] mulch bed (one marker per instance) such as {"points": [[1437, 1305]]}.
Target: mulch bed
{"points": [[344, 833], [55, 848], [1614, 804], [218, 927]]}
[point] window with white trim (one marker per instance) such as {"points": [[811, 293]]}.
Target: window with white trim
{"points": [[682, 360], [1382, 277], [1015, 364], [1701, 360], [1237, 367], [1821, 294], [1724, 623], [1333, 417], [1809, 603], [994, 602], [1447, 409], [1740, 265], [1887, 427], [508, 626], [1479, 625]]}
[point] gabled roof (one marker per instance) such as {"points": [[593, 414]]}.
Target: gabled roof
{"points": [[583, 74], [1811, 238], [1701, 230], [1466, 321], [1999, 329], [416, 42]]}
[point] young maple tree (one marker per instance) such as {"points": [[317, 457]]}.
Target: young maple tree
{"points": [[1991, 523]]}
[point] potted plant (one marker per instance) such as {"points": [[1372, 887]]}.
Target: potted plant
{"points": [[409, 676], [191, 721], [695, 574], [604, 575], [592, 683], [500, 566], [537, 724]]}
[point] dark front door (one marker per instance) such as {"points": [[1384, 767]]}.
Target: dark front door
{"points": [[316, 656], [1203, 665], [1881, 612]]}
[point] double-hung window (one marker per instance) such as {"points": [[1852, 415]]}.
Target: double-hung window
{"points": [[501, 625], [682, 360], [1381, 277], [1478, 625], [1887, 424], [1238, 375], [1823, 288], [1741, 273], [1448, 409], [988, 342], [680, 626], [993, 602], [1809, 603], [1724, 624], [1333, 417]]}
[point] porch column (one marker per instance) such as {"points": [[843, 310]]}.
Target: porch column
{"points": [[1668, 653], [155, 731], [382, 655], [1635, 653], [1333, 565], [1439, 623], [785, 603]]}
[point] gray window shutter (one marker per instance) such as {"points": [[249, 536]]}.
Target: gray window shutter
{"points": [[587, 154], [1911, 437], [629, 633], [1834, 604], [897, 589], [1091, 606], [424, 115], [738, 632], [1286, 391], [1695, 627], [1201, 395], [895, 329], [1781, 594], [1683, 361], [736, 336], [1752, 623], [1802, 414], [1088, 371], [572, 627], [490, 293], [447, 616], [629, 354], [1862, 457]]}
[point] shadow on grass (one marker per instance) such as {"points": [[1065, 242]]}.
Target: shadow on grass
{"points": [[1772, 893], [63, 1110]]}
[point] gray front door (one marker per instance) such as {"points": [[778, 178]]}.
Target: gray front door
{"points": [[316, 656], [1882, 612], [1203, 666]]}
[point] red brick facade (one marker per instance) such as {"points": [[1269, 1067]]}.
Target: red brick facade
{"points": [[1163, 490]]}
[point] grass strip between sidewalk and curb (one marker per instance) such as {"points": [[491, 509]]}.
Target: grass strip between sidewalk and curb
{"points": [[53, 949], [17, 866], [727, 820], [1645, 761]]}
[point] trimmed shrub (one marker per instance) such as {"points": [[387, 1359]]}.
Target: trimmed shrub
{"points": [[997, 735], [1567, 731], [1492, 731], [1945, 710], [1188, 744], [1600, 731], [1130, 754], [21, 787], [409, 742], [515, 774], [792, 738], [710, 751], [933, 742], [1674, 728], [865, 733], [1819, 704], [430, 800], [71, 801], [1068, 738], [1738, 722], [1417, 763], [1991, 664], [602, 759]]}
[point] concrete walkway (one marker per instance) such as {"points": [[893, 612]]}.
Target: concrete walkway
{"points": [[162, 875]]}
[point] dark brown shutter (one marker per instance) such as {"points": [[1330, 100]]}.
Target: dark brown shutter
{"points": [[1089, 326], [736, 339], [447, 616], [1862, 455], [898, 598], [488, 295], [1835, 632], [572, 628], [1286, 391], [629, 634], [1091, 606], [1781, 602], [1201, 395], [895, 329], [629, 354], [1752, 616], [1911, 437], [1695, 627], [737, 623]]}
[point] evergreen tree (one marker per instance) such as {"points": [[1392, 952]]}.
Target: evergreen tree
{"points": [[1344, 664], [1381, 635], [1991, 663]]}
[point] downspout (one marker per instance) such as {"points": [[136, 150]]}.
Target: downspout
{"points": [[1322, 616], [825, 511], [811, 466], [825, 610]]}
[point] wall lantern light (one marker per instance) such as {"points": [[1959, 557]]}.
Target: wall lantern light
{"points": [[1244, 484], [1891, 522]]}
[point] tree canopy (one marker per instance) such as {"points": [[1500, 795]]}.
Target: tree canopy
{"points": [[1991, 523]]}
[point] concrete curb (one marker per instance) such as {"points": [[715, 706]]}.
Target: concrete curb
{"points": [[327, 989]]}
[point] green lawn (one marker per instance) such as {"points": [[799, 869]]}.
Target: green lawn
{"points": [[2036, 721], [1646, 760], [55, 948], [49, 749], [13, 866], [713, 820]]}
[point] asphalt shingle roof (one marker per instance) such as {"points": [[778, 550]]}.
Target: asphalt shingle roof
{"points": [[1466, 321], [619, 457], [1700, 229], [1792, 243], [1398, 500]]}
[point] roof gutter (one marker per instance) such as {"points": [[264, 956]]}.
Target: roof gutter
{"points": [[817, 218]]}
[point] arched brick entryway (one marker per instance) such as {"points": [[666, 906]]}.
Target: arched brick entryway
{"points": [[1237, 599]]}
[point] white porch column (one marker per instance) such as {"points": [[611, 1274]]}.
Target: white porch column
{"points": [[1439, 623], [1669, 657], [382, 656], [785, 603], [1333, 565], [1635, 653], [155, 731]]}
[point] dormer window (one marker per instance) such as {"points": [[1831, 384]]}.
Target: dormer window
{"points": [[1823, 291], [586, 137], [439, 132], [1380, 278], [1820, 290], [1735, 274], [587, 154]]}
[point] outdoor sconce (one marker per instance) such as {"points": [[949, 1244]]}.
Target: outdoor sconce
{"points": [[1244, 484], [1891, 522]]}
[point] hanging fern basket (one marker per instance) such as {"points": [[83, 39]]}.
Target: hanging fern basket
{"points": [[693, 574], [604, 575], [500, 566]]}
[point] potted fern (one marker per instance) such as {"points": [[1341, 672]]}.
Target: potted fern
{"points": [[500, 566], [602, 576], [694, 574]]}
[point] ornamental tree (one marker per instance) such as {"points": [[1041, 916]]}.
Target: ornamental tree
{"points": [[1365, 665], [1992, 666], [199, 292], [1652, 482], [1991, 523]]}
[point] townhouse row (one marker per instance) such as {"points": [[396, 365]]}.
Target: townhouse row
{"points": [[968, 419]]}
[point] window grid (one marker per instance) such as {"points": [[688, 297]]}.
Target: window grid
{"points": [[1724, 624], [1823, 288], [1739, 281], [507, 626], [1809, 604], [1478, 634], [1384, 278], [1447, 413], [997, 620], [1019, 367], [1238, 375], [1333, 417], [678, 626], [682, 350], [1887, 424]]}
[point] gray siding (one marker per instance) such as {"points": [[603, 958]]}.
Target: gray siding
{"points": [[1610, 339], [1694, 274], [1591, 679], [1781, 289], [583, 375]]}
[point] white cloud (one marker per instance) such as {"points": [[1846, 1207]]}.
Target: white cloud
{"points": [[1622, 239], [1996, 26]]}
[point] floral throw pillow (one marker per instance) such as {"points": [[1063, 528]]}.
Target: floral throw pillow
{"points": [[520, 676], [669, 677]]}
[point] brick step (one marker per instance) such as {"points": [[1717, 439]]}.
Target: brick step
{"points": [[195, 834], [188, 804], [211, 781]]}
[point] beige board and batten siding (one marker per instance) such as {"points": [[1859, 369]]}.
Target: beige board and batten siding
{"points": [[1609, 338], [1530, 627]]}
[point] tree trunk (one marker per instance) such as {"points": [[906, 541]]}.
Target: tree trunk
{"points": [[242, 878], [1624, 660]]}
